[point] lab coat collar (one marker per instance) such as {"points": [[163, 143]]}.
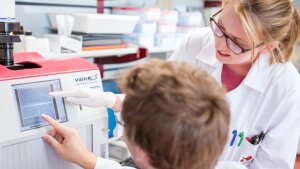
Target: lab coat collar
{"points": [[208, 58], [258, 76]]}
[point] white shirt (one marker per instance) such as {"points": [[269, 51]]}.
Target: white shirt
{"points": [[267, 100], [110, 164]]}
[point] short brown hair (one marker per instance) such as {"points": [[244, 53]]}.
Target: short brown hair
{"points": [[176, 113]]}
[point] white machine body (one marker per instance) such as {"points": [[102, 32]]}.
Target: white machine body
{"points": [[25, 97], [7, 8]]}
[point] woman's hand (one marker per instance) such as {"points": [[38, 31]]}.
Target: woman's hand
{"points": [[91, 98], [68, 144]]}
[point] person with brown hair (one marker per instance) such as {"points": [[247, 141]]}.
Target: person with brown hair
{"points": [[247, 50], [175, 117]]}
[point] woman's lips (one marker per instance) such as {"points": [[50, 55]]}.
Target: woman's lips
{"points": [[222, 54]]}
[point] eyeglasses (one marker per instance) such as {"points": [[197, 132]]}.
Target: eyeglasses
{"points": [[120, 123], [232, 45]]}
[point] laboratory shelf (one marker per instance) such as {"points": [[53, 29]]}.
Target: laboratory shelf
{"points": [[93, 54], [107, 52]]}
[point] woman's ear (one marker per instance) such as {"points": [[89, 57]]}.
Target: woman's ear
{"points": [[269, 47]]}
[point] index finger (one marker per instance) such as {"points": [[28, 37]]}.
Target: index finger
{"points": [[80, 91], [57, 126], [68, 93]]}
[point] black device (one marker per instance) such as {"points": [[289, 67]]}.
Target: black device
{"points": [[129, 163], [8, 36], [258, 138]]}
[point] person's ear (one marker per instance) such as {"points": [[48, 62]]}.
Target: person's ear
{"points": [[140, 155], [269, 47]]}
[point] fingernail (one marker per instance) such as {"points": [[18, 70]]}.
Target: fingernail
{"points": [[45, 138]]}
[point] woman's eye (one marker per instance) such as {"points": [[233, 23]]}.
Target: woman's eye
{"points": [[238, 42], [222, 28]]}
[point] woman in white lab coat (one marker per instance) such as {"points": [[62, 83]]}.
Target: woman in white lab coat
{"points": [[247, 50], [263, 97]]}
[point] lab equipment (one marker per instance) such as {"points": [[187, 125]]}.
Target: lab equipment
{"points": [[100, 23], [7, 26], [33, 100], [64, 42], [8, 30], [146, 14], [129, 162], [25, 96], [7, 9], [146, 40], [118, 150], [25, 82]]}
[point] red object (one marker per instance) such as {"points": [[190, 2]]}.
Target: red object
{"points": [[142, 53], [101, 68], [245, 159], [230, 80], [208, 4], [127, 9], [248, 139], [297, 164], [45, 66], [100, 6]]}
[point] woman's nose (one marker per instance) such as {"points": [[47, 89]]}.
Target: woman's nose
{"points": [[221, 43]]}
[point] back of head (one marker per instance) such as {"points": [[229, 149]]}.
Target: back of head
{"points": [[176, 113], [270, 20]]}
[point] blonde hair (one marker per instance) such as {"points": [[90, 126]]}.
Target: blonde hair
{"points": [[270, 20]]}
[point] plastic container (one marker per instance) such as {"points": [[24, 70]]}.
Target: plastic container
{"points": [[146, 40], [145, 14], [145, 27], [101, 23]]}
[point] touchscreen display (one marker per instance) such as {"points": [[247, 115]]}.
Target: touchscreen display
{"points": [[33, 100]]}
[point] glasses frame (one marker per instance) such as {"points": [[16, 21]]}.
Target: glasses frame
{"points": [[118, 122], [243, 50]]}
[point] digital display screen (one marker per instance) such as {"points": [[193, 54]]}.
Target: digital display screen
{"points": [[33, 99]]}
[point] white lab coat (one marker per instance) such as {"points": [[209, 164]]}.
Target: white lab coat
{"points": [[267, 100], [110, 164]]}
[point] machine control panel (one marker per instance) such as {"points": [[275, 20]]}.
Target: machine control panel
{"points": [[32, 100]]}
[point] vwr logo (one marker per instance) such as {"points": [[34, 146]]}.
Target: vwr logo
{"points": [[86, 78]]}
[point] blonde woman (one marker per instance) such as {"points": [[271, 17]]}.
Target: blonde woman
{"points": [[247, 50]]}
